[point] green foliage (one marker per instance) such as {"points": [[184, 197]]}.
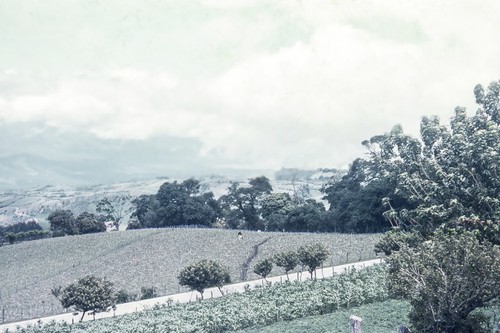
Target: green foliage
{"points": [[263, 267], [305, 218], [287, 260], [445, 279], [11, 238], [258, 307], [20, 227], [149, 292], [379, 317], [176, 204], [242, 204], [123, 296], [204, 274], [392, 241], [276, 203], [88, 223], [115, 208], [63, 221], [146, 259], [90, 293], [312, 256], [356, 203], [452, 171]]}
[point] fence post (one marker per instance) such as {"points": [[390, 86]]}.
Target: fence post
{"points": [[3, 315], [355, 324]]}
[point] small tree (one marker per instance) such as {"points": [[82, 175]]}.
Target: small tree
{"points": [[11, 238], [204, 274], [287, 260], [263, 268], [312, 256], [123, 296], [445, 279], [90, 293]]}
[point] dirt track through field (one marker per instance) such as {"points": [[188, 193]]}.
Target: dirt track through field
{"points": [[251, 257]]}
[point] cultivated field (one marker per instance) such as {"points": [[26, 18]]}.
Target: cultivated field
{"points": [[144, 258]]}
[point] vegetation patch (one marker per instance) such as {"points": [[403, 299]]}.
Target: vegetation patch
{"points": [[261, 306]]}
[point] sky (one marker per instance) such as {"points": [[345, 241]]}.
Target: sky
{"points": [[244, 84]]}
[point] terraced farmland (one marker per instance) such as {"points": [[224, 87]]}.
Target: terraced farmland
{"points": [[142, 258]]}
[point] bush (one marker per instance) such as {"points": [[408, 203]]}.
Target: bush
{"points": [[149, 292]]}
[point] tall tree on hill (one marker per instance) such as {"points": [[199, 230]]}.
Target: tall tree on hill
{"points": [[176, 204], [115, 208], [63, 221], [242, 204]]}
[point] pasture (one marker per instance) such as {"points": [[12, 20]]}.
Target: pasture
{"points": [[145, 258]]}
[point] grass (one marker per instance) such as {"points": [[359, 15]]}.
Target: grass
{"points": [[380, 317], [139, 258]]}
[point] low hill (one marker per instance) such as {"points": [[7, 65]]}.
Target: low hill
{"points": [[145, 258]]}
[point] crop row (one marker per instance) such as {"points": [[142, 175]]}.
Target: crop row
{"points": [[261, 306]]}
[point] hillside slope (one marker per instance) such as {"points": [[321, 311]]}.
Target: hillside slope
{"points": [[143, 258]]}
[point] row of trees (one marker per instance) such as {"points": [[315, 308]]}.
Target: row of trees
{"points": [[251, 206], [95, 294], [22, 231], [311, 256], [63, 222]]}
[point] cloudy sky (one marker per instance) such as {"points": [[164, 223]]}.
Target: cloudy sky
{"points": [[233, 83]]}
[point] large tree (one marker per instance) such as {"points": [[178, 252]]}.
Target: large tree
{"points": [[90, 293], [242, 203], [176, 204], [356, 200], [115, 208], [183, 204], [63, 221], [451, 171], [88, 223]]}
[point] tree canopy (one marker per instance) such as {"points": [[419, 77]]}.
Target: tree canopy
{"points": [[204, 274], [176, 204], [445, 279], [90, 293]]}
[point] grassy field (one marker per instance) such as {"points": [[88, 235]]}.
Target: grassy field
{"points": [[380, 317], [139, 258]]}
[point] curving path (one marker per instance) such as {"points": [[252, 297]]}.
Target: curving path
{"points": [[189, 296]]}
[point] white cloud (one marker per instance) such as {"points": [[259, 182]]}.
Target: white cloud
{"points": [[305, 101]]}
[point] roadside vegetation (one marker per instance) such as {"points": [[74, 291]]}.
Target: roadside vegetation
{"points": [[262, 306]]}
